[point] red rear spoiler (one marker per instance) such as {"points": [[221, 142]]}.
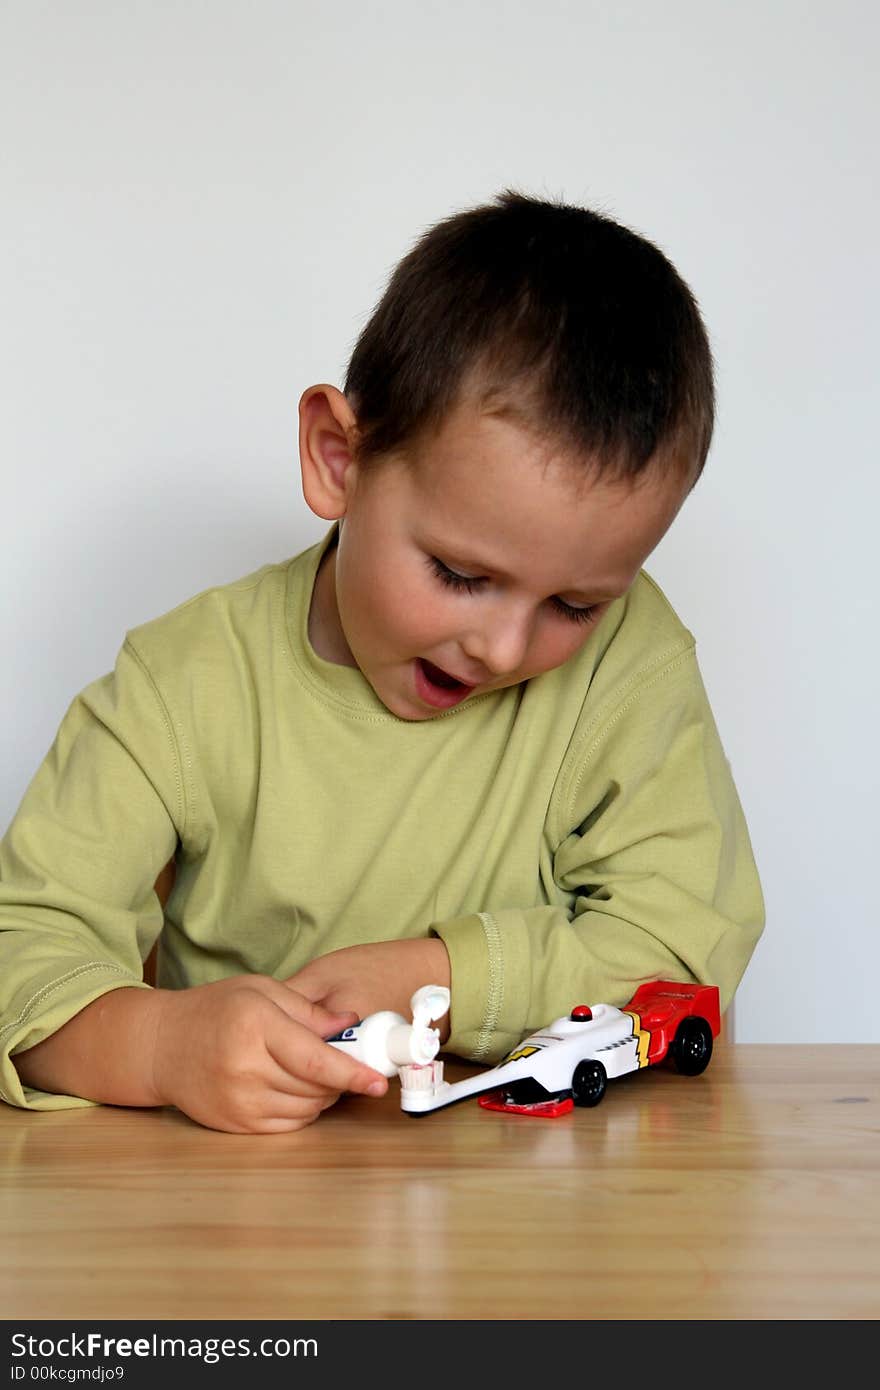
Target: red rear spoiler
{"points": [[702, 999]]}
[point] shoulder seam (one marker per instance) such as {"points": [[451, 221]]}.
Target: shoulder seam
{"points": [[242, 586]]}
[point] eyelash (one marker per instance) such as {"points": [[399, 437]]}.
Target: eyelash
{"points": [[467, 584]]}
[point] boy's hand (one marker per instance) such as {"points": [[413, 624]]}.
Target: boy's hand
{"points": [[379, 975], [246, 1055]]}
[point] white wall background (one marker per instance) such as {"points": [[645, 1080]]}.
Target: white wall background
{"points": [[201, 205]]}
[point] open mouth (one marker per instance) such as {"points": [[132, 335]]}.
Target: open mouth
{"points": [[437, 676], [437, 687]]}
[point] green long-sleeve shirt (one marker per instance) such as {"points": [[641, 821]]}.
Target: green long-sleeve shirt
{"points": [[567, 837]]}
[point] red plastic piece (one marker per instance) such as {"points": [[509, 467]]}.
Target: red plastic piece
{"points": [[540, 1109], [662, 1004]]}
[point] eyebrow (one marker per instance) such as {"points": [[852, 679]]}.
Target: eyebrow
{"points": [[492, 571]]}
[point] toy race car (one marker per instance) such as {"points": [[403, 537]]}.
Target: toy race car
{"points": [[569, 1062]]}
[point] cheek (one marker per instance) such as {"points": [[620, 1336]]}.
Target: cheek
{"points": [[559, 640], [402, 602], [425, 611]]}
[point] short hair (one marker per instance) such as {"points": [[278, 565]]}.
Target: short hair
{"points": [[555, 316]]}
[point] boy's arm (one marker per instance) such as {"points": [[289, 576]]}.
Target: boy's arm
{"points": [[653, 859], [79, 908], [79, 903], [104, 1053], [79, 864], [245, 1054]]}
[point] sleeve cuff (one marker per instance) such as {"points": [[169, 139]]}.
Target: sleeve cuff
{"points": [[489, 971], [47, 1011]]}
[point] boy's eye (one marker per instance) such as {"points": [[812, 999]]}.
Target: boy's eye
{"points": [[467, 583], [575, 615], [455, 580]]}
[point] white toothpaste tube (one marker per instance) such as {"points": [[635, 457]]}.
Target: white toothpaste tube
{"points": [[386, 1042]]}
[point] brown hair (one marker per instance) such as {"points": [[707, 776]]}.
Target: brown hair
{"points": [[556, 315]]}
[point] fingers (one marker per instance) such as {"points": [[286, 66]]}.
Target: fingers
{"points": [[274, 1113], [322, 1021], [247, 1055], [307, 984], [312, 1068], [281, 1106], [301, 1053], [317, 1015]]}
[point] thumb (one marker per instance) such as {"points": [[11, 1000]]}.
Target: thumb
{"points": [[323, 1021], [329, 1022]]}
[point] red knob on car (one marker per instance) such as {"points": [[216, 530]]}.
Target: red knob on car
{"points": [[581, 1013]]}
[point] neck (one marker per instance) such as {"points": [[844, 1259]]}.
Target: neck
{"points": [[324, 627]]}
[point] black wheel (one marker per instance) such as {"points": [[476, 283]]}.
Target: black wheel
{"points": [[588, 1083], [692, 1049]]}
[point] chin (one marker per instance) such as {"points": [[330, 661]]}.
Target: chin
{"points": [[392, 704], [412, 716]]}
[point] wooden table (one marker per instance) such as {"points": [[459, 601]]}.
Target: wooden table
{"points": [[750, 1192]]}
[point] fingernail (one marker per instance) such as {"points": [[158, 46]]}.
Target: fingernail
{"points": [[376, 1088]]}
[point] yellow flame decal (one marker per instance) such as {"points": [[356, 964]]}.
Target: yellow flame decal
{"points": [[521, 1052], [642, 1035]]}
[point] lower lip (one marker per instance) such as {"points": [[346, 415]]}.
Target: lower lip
{"points": [[438, 696]]}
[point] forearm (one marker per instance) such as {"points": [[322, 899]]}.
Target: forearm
{"points": [[514, 970], [105, 1052]]}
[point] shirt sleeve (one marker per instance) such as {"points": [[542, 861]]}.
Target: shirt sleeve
{"points": [[652, 862], [79, 861]]}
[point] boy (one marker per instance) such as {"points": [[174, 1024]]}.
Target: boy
{"points": [[462, 740]]}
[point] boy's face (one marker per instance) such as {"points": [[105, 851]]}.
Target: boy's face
{"points": [[480, 561]]}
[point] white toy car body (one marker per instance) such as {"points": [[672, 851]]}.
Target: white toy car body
{"points": [[570, 1060]]}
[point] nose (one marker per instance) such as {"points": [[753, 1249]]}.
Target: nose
{"points": [[500, 641]]}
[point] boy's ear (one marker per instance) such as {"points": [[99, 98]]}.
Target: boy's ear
{"points": [[327, 430]]}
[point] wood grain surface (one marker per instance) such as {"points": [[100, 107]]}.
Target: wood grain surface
{"points": [[750, 1192]]}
